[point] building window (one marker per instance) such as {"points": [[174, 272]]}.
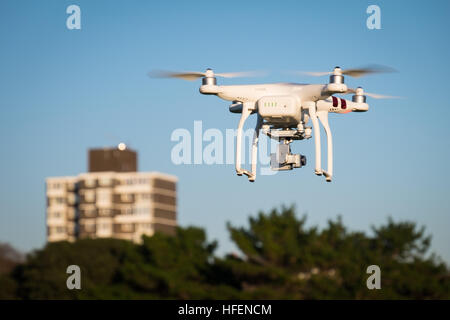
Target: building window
{"points": [[89, 212], [57, 200], [60, 230], [133, 181], [164, 199], [104, 195], [105, 212], [71, 186], [146, 196], [142, 210], [136, 211], [90, 183], [71, 198], [89, 227], [105, 182], [128, 210], [54, 185], [164, 184], [105, 226], [165, 214], [126, 197], [127, 227], [89, 196], [71, 213]]}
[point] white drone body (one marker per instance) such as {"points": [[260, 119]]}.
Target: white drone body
{"points": [[283, 111]]}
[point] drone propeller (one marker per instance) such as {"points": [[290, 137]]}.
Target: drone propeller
{"points": [[192, 75], [360, 92], [355, 72]]}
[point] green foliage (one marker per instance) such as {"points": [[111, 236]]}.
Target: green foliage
{"points": [[280, 259], [9, 258], [8, 288], [279, 252], [162, 267], [44, 275]]}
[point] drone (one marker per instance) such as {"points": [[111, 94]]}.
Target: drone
{"points": [[284, 110]]}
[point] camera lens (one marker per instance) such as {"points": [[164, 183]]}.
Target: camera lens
{"points": [[303, 160]]}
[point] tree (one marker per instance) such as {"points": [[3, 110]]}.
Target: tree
{"points": [[280, 253], [280, 258], [162, 267], [179, 267], [9, 258]]}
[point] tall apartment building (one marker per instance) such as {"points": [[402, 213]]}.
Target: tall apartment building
{"points": [[112, 200]]}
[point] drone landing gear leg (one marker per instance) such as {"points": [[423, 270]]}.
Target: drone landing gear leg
{"points": [[312, 114], [323, 117], [254, 160], [247, 109]]}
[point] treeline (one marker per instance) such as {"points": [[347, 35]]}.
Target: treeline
{"points": [[280, 258]]}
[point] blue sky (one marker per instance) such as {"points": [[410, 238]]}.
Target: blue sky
{"points": [[63, 91]]}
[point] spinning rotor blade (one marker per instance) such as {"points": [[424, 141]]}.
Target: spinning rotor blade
{"points": [[373, 95], [359, 72], [313, 73], [355, 72], [192, 75], [380, 96], [239, 74]]}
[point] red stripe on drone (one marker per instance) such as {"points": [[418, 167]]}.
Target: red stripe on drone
{"points": [[335, 101], [343, 104]]}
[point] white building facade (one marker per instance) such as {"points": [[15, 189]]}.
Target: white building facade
{"points": [[124, 205]]}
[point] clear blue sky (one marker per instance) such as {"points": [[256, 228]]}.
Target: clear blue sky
{"points": [[63, 91]]}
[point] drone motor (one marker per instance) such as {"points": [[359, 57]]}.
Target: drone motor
{"points": [[209, 79], [359, 96], [337, 77]]}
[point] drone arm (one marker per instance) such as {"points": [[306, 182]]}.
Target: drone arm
{"points": [[323, 117], [246, 111], [315, 122]]}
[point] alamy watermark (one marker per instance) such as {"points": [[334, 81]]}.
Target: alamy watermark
{"points": [[374, 281], [74, 280], [374, 20], [215, 147], [74, 20]]}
